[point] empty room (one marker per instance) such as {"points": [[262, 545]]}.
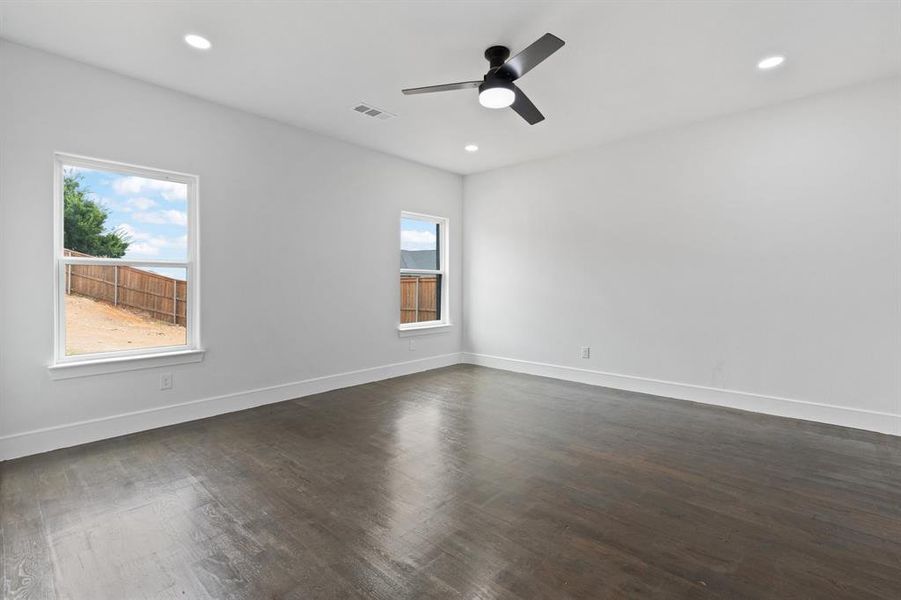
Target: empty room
{"points": [[397, 299]]}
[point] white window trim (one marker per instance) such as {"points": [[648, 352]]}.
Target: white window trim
{"points": [[119, 364], [63, 366], [443, 324]]}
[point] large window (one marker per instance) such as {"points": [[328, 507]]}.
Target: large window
{"points": [[126, 261], [423, 271]]}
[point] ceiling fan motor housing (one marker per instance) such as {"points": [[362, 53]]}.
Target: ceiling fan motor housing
{"points": [[497, 55]]}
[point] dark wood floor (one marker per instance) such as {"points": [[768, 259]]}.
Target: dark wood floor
{"points": [[461, 483]]}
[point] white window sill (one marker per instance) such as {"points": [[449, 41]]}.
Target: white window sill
{"points": [[118, 364], [422, 329]]}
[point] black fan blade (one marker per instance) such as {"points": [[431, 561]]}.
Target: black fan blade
{"points": [[447, 87], [524, 107], [529, 58]]}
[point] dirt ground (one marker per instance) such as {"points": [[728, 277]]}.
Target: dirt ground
{"points": [[93, 326]]}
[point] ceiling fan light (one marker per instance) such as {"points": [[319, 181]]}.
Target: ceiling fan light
{"points": [[496, 97], [496, 94]]}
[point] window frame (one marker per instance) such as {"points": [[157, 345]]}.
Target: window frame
{"points": [[443, 322], [118, 360]]}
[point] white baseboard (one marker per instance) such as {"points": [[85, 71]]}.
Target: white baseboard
{"points": [[73, 434], [783, 407]]}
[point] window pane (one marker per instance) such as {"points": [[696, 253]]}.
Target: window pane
{"points": [[420, 298], [114, 215], [112, 308], [419, 244]]}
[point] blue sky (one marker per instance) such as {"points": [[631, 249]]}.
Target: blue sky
{"points": [[151, 212], [417, 235]]}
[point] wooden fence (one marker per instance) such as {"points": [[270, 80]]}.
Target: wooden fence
{"points": [[161, 297], [419, 298], [164, 298]]}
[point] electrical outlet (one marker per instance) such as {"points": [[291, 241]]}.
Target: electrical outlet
{"points": [[166, 381], [586, 351], [412, 344]]}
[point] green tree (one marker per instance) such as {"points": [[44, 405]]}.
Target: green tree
{"points": [[84, 222]]}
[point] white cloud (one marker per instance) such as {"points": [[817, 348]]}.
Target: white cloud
{"points": [[139, 203], [130, 205], [142, 248], [151, 218], [163, 217], [147, 245], [170, 190], [411, 239], [129, 231], [177, 217]]}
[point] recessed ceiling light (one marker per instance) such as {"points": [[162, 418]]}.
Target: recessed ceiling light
{"points": [[471, 148], [197, 41], [770, 62]]}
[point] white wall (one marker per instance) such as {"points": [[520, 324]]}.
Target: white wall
{"points": [[756, 253], [297, 229], [752, 260]]}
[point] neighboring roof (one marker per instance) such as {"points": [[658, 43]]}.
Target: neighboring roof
{"points": [[417, 259]]}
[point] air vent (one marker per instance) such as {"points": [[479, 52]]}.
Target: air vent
{"points": [[366, 109]]}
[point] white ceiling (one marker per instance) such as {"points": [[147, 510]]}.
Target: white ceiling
{"points": [[627, 67]]}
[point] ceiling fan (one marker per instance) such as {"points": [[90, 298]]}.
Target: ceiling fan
{"points": [[496, 88]]}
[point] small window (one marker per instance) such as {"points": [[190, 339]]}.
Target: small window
{"points": [[423, 289], [126, 261]]}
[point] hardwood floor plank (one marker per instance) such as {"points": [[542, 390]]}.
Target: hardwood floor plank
{"points": [[462, 482]]}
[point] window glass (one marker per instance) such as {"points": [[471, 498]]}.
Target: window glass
{"points": [[420, 298], [114, 215], [419, 244], [115, 308], [421, 269], [140, 224]]}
